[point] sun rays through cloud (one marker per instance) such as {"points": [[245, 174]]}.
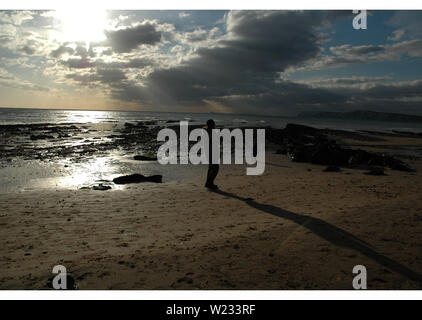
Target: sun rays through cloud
{"points": [[86, 24]]}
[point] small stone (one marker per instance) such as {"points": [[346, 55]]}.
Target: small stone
{"points": [[376, 171], [101, 187]]}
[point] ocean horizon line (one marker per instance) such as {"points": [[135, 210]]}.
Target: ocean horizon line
{"points": [[152, 111]]}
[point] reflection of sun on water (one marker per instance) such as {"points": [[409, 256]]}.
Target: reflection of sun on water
{"points": [[82, 24], [88, 173], [86, 116]]}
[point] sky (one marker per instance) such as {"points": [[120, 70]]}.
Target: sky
{"points": [[245, 62]]}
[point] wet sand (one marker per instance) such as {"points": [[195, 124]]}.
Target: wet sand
{"points": [[295, 227]]}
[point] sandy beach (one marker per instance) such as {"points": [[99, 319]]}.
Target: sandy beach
{"points": [[294, 227]]}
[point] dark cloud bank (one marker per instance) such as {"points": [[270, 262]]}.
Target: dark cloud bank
{"points": [[242, 70]]}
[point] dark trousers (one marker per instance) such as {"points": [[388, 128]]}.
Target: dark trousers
{"points": [[212, 173]]}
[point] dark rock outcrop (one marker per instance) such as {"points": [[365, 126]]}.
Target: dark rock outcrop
{"points": [[362, 115], [41, 137], [101, 187], [144, 158], [306, 144], [137, 178], [376, 171]]}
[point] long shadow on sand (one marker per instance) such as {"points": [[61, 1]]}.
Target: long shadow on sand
{"points": [[330, 233], [276, 165]]}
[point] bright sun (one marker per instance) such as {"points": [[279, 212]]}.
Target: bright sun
{"points": [[82, 24]]}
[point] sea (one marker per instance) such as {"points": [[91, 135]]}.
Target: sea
{"points": [[10, 116], [22, 174]]}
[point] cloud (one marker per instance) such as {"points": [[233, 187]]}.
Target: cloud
{"points": [[397, 35], [409, 22], [238, 63], [9, 80], [110, 76], [15, 17], [105, 76], [373, 93], [196, 36], [241, 71], [18, 34], [349, 50], [128, 39], [246, 61], [394, 90], [7, 31], [85, 62], [412, 48], [184, 15], [344, 55], [61, 50], [288, 96], [135, 63], [347, 82], [77, 63], [27, 49]]}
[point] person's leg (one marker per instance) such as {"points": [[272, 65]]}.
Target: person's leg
{"points": [[212, 174], [209, 174], [215, 172]]}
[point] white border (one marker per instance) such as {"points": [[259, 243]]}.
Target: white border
{"points": [[216, 4], [212, 295]]}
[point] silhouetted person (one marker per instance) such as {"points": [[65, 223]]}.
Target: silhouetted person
{"points": [[212, 168]]}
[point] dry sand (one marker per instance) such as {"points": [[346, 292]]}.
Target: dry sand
{"points": [[304, 229]]}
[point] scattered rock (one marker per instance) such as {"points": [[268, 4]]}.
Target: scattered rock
{"points": [[149, 123], [401, 167], [145, 158], [41, 137], [186, 280], [307, 144], [137, 178], [101, 187], [376, 171], [298, 130]]}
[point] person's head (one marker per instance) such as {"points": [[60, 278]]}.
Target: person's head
{"points": [[211, 124]]}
